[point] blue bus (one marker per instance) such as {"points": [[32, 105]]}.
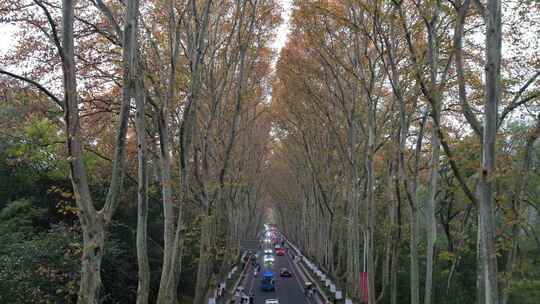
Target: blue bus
{"points": [[268, 282]]}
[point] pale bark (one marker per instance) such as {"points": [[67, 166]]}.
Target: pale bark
{"points": [[411, 194], [205, 259], [458, 53], [134, 89], [492, 99], [165, 294], [371, 211], [93, 223], [396, 236], [431, 205], [197, 45], [143, 288], [172, 212], [388, 42], [204, 277], [480, 256]]}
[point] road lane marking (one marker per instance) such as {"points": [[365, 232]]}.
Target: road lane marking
{"points": [[296, 277]]}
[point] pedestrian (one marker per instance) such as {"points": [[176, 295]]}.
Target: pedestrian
{"points": [[220, 289], [237, 298], [245, 299], [251, 298]]}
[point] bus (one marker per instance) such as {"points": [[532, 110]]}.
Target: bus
{"points": [[268, 282]]}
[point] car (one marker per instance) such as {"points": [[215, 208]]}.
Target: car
{"points": [[268, 251], [268, 258], [268, 283], [271, 301], [281, 251], [285, 273]]}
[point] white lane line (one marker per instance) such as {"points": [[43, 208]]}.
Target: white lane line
{"points": [[296, 277]]}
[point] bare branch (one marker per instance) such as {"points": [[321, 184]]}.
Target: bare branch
{"points": [[516, 102], [41, 88]]}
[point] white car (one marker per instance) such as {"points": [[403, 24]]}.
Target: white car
{"points": [[268, 251], [268, 258], [271, 301]]}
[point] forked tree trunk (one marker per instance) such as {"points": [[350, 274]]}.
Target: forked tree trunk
{"points": [[93, 223]]}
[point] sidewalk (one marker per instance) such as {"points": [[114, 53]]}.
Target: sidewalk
{"points": [[228, 294], [321, 296]]}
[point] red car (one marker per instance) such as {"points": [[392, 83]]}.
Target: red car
{"points": [[281, 251]]}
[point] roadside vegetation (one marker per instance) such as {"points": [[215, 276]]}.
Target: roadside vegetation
{"points": [[141, 141]]}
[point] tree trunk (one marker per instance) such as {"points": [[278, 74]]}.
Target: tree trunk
{"points": [[411, 193], [171, 212], [93, 245], [492, 97], [480, 256], [415, 284], [143, 288], [93, 223], [431, 223], [371, 211], [396, 235], [353, 240], [205, 259], [165, 294], [93, 234]]}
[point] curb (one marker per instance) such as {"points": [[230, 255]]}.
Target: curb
{"points": [[322, 295], [229, 295]]}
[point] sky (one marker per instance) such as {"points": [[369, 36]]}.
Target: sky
{"points": [[6, 31], [283, 29], [6, 37]]}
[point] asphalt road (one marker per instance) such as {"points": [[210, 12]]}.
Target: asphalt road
{"points": [[289, 290]]}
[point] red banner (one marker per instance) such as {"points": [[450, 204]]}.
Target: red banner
{"points": [[364, 286]]}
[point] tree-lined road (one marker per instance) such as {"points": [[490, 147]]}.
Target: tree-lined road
{"points": [[144, 146], [289, 290]]}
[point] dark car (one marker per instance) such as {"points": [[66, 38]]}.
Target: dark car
{"points": [[285, 273]]}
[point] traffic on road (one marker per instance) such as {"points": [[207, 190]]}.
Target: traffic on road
{"points": [[273, 277]]}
